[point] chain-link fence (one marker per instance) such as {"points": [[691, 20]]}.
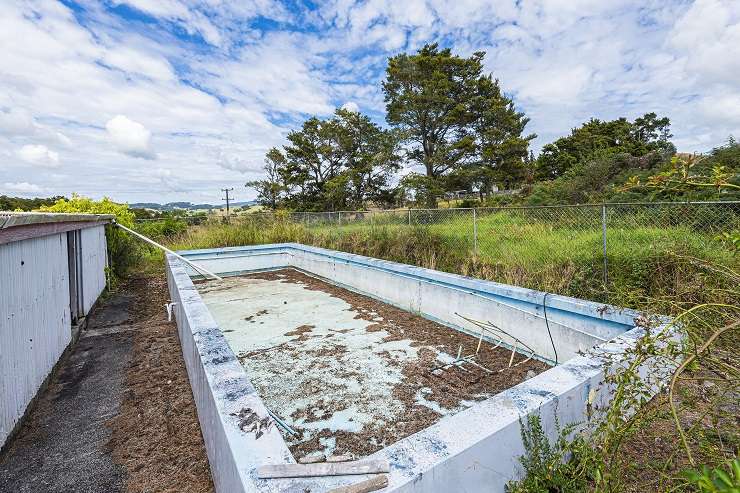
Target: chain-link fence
{"points": [[596, 240]]}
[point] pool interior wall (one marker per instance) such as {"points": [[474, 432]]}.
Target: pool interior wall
{"points": [[473, 450]]}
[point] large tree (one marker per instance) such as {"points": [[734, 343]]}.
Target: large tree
{"points": [[270, 189], [342, 162], [453, 119], [500, 131], [370, 158], [428, 97], [597, 138]]}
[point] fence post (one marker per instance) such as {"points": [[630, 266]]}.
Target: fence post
{"points": [[475, 232], [409, 217], [340, 218], [603, 241]]}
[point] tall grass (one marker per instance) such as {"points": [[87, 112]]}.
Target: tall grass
{"points": [[564, 257]]}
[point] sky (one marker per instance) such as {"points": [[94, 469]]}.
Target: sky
{"points": [[172, 100]]}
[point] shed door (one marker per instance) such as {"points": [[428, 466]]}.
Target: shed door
{"points": [[74, 260]]}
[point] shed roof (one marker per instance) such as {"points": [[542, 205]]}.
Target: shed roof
{"points": [[13, 219], [15, 226]]}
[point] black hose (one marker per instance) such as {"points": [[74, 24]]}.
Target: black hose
{"points": [[547, 324]]}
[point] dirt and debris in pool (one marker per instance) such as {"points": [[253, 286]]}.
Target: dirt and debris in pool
{"points": [[349, 374]]}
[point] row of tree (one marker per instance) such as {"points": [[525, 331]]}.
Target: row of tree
{"points": [[8, 203], [452, 126]]}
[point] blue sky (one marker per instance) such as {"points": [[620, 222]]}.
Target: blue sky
{"points": [[160, 100]]}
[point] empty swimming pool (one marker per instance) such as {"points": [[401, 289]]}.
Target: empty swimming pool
{"points": [[302, 350]]}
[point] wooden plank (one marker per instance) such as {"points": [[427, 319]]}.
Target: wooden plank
{"points": [[340, 458], [372, 484], [322, 469]]}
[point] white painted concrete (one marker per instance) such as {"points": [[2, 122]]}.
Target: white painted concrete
{"points": [[477, 448]]}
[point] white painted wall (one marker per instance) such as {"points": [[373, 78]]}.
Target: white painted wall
{"points": [[35, 320], [35, 323], [94, 254]]}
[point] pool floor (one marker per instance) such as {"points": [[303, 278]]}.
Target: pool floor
{"points": [[347, 373]]}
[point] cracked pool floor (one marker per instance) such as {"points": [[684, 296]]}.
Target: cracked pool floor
{"points": [[347, 373]]}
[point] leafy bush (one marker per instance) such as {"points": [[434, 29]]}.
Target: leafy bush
{"points": [[715, 480], [468, 204], [566, 466], [168, 227], [123, 249], [594, 180]]}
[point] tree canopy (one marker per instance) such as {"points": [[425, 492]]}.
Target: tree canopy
{"points": [[452, 128], [338, 163], [8, 203], [597, 138], [453, 120]]}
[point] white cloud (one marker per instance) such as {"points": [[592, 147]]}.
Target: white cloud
{"points": [[276, 74], [22, 187], [351, 106], [232, 161], [192, 20], [138, 62], [15, 121], [39, 155], [216, 109], [130, 137]]}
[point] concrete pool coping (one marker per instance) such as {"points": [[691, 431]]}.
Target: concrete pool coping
{"points": [[474, 450]]}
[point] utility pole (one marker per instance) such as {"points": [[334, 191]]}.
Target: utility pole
{"points": [[227, 199]]}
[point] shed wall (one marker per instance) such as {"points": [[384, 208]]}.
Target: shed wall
{"points": [[93, 265], [35, 318], [35, 324]]}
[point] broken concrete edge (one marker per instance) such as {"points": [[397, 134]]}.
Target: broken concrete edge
{"points": [[477, 448], [225, 400]]}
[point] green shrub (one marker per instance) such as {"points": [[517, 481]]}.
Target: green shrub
{"points": [[123, 249], [165, 228], [569, 465], [716, 480]]}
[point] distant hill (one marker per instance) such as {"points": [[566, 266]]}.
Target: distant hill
{"points": [[171, 206]]}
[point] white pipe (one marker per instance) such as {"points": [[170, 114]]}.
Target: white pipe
{"points": [[161, 247]]}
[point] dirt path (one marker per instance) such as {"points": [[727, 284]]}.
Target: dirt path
{"points": [[119, 414], [156, 436]]}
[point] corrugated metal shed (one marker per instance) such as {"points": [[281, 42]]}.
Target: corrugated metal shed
{"points": [[52, 269], [94, 261], [35, 323]]}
